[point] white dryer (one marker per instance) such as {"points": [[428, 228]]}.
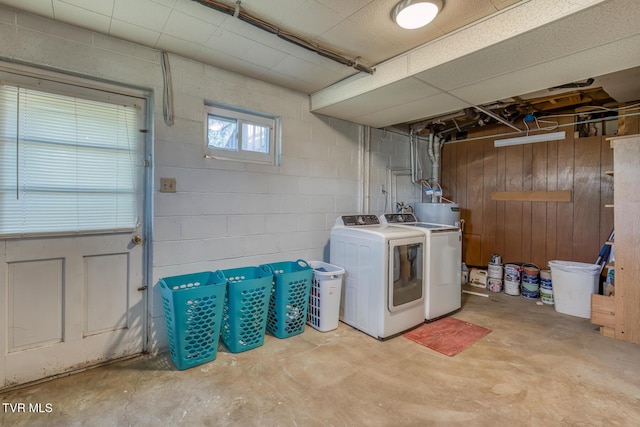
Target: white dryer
{"points": [[383, 294], [442, 259]]}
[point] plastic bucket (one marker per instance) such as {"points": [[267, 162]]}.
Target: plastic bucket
{"points": [[573, 284]]}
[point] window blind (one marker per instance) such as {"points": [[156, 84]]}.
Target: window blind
{"points": [[67, 164]]}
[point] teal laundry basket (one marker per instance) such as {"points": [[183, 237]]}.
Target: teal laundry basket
{"points": [[245, 307], [289, 300], [193, 314]]}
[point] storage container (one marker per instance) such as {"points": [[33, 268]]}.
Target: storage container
{"points": [[573, 284], [192, 306], [324, 301], [289, 298], [246, 306]]}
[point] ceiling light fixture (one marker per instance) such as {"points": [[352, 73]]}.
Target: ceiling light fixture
{"points": [[541, 137], [412, 14]]}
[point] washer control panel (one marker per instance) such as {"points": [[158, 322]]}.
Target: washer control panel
{"points": [[399, 218], [355, 220]]}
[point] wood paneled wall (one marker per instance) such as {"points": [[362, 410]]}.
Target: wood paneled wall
{"points": [[532, 232]]}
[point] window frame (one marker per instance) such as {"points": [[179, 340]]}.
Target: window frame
{"points": [[242, 116]]}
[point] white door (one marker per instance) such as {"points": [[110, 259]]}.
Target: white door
{"points": [[74, 299]]}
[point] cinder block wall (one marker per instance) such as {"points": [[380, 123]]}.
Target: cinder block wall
{"points": [[224, 214]]}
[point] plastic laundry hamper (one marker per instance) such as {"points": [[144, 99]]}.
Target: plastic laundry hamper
{"points": [[573, 284], [289, 298], [324, 301], [193, 314], [246, 306]]}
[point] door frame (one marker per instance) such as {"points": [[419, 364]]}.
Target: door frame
{"points": [[146, 95]]}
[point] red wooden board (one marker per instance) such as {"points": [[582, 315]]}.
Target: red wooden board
{"points": [[448, 336]]}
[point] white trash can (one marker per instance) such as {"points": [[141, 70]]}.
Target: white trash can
{"points": [[324, 299], [573, 284]]}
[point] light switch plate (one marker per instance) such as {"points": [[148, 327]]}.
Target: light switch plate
{"points": [[167, 185]]}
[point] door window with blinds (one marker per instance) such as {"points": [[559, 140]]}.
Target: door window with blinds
{"points": [[68, 158]]}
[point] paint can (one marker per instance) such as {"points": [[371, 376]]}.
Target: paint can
{"points": [[546, 296], [512, 270], [530, 290], [494, 285], [494, 271], [531, 271], [545, 275], [512, 287]]}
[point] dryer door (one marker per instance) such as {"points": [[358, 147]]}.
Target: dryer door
{"points": [[405, 273]]}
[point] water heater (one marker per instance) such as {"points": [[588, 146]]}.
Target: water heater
{"points": [[438, 213]]}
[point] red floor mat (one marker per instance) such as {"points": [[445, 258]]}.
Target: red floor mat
{"points": [[448, 336]]}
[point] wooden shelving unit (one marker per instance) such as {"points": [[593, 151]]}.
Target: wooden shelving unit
{"points": [[619, 316]]}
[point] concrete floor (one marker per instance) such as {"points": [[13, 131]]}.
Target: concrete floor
{"points": [[536, 368]]}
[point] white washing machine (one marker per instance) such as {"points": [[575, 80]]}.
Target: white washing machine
{"points": [[383, 294], [442, 259]]}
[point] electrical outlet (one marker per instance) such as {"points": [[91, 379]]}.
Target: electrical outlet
{"points": [[167, 185]]}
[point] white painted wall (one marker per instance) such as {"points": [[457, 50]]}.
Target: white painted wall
{"points": [[224, 214]]}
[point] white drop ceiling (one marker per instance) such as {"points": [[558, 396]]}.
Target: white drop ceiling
{"points": [[475, 52]]}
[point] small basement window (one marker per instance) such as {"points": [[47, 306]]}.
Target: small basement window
{"points": [[241, 135]]}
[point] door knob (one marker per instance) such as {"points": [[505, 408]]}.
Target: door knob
{"points": [[137, 239]]}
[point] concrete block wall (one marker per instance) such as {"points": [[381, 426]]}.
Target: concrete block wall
{"points": [[224, 214]]}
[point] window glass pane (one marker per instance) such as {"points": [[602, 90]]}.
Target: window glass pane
{"points": [[68, 164], [255, 138], [222, 133]]}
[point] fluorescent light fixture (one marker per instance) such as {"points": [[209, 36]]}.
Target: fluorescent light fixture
{"points": [[529, 139], [412, 14]]}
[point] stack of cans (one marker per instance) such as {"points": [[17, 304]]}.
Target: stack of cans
{"points": [[530, 281], [512, 279], [494, 282], [546, 287]]}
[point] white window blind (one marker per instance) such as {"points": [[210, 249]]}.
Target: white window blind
{"points": [[67, 164]]}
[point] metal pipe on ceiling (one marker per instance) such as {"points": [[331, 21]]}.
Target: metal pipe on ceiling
{"points": [[284, 35]]}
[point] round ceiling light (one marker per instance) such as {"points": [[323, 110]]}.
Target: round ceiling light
{"points": [[412, 14]]}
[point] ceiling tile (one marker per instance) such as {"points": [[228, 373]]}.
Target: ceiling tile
{"points": [[177, 46], [264, 56], [229, 43], [346, 8], [82, 17], [104, 7], [143, 13], [200, 11], [168, 3], [58, 29], [317, 18], [272, 11], [134, 33], [186, 27], [40, 7]]}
